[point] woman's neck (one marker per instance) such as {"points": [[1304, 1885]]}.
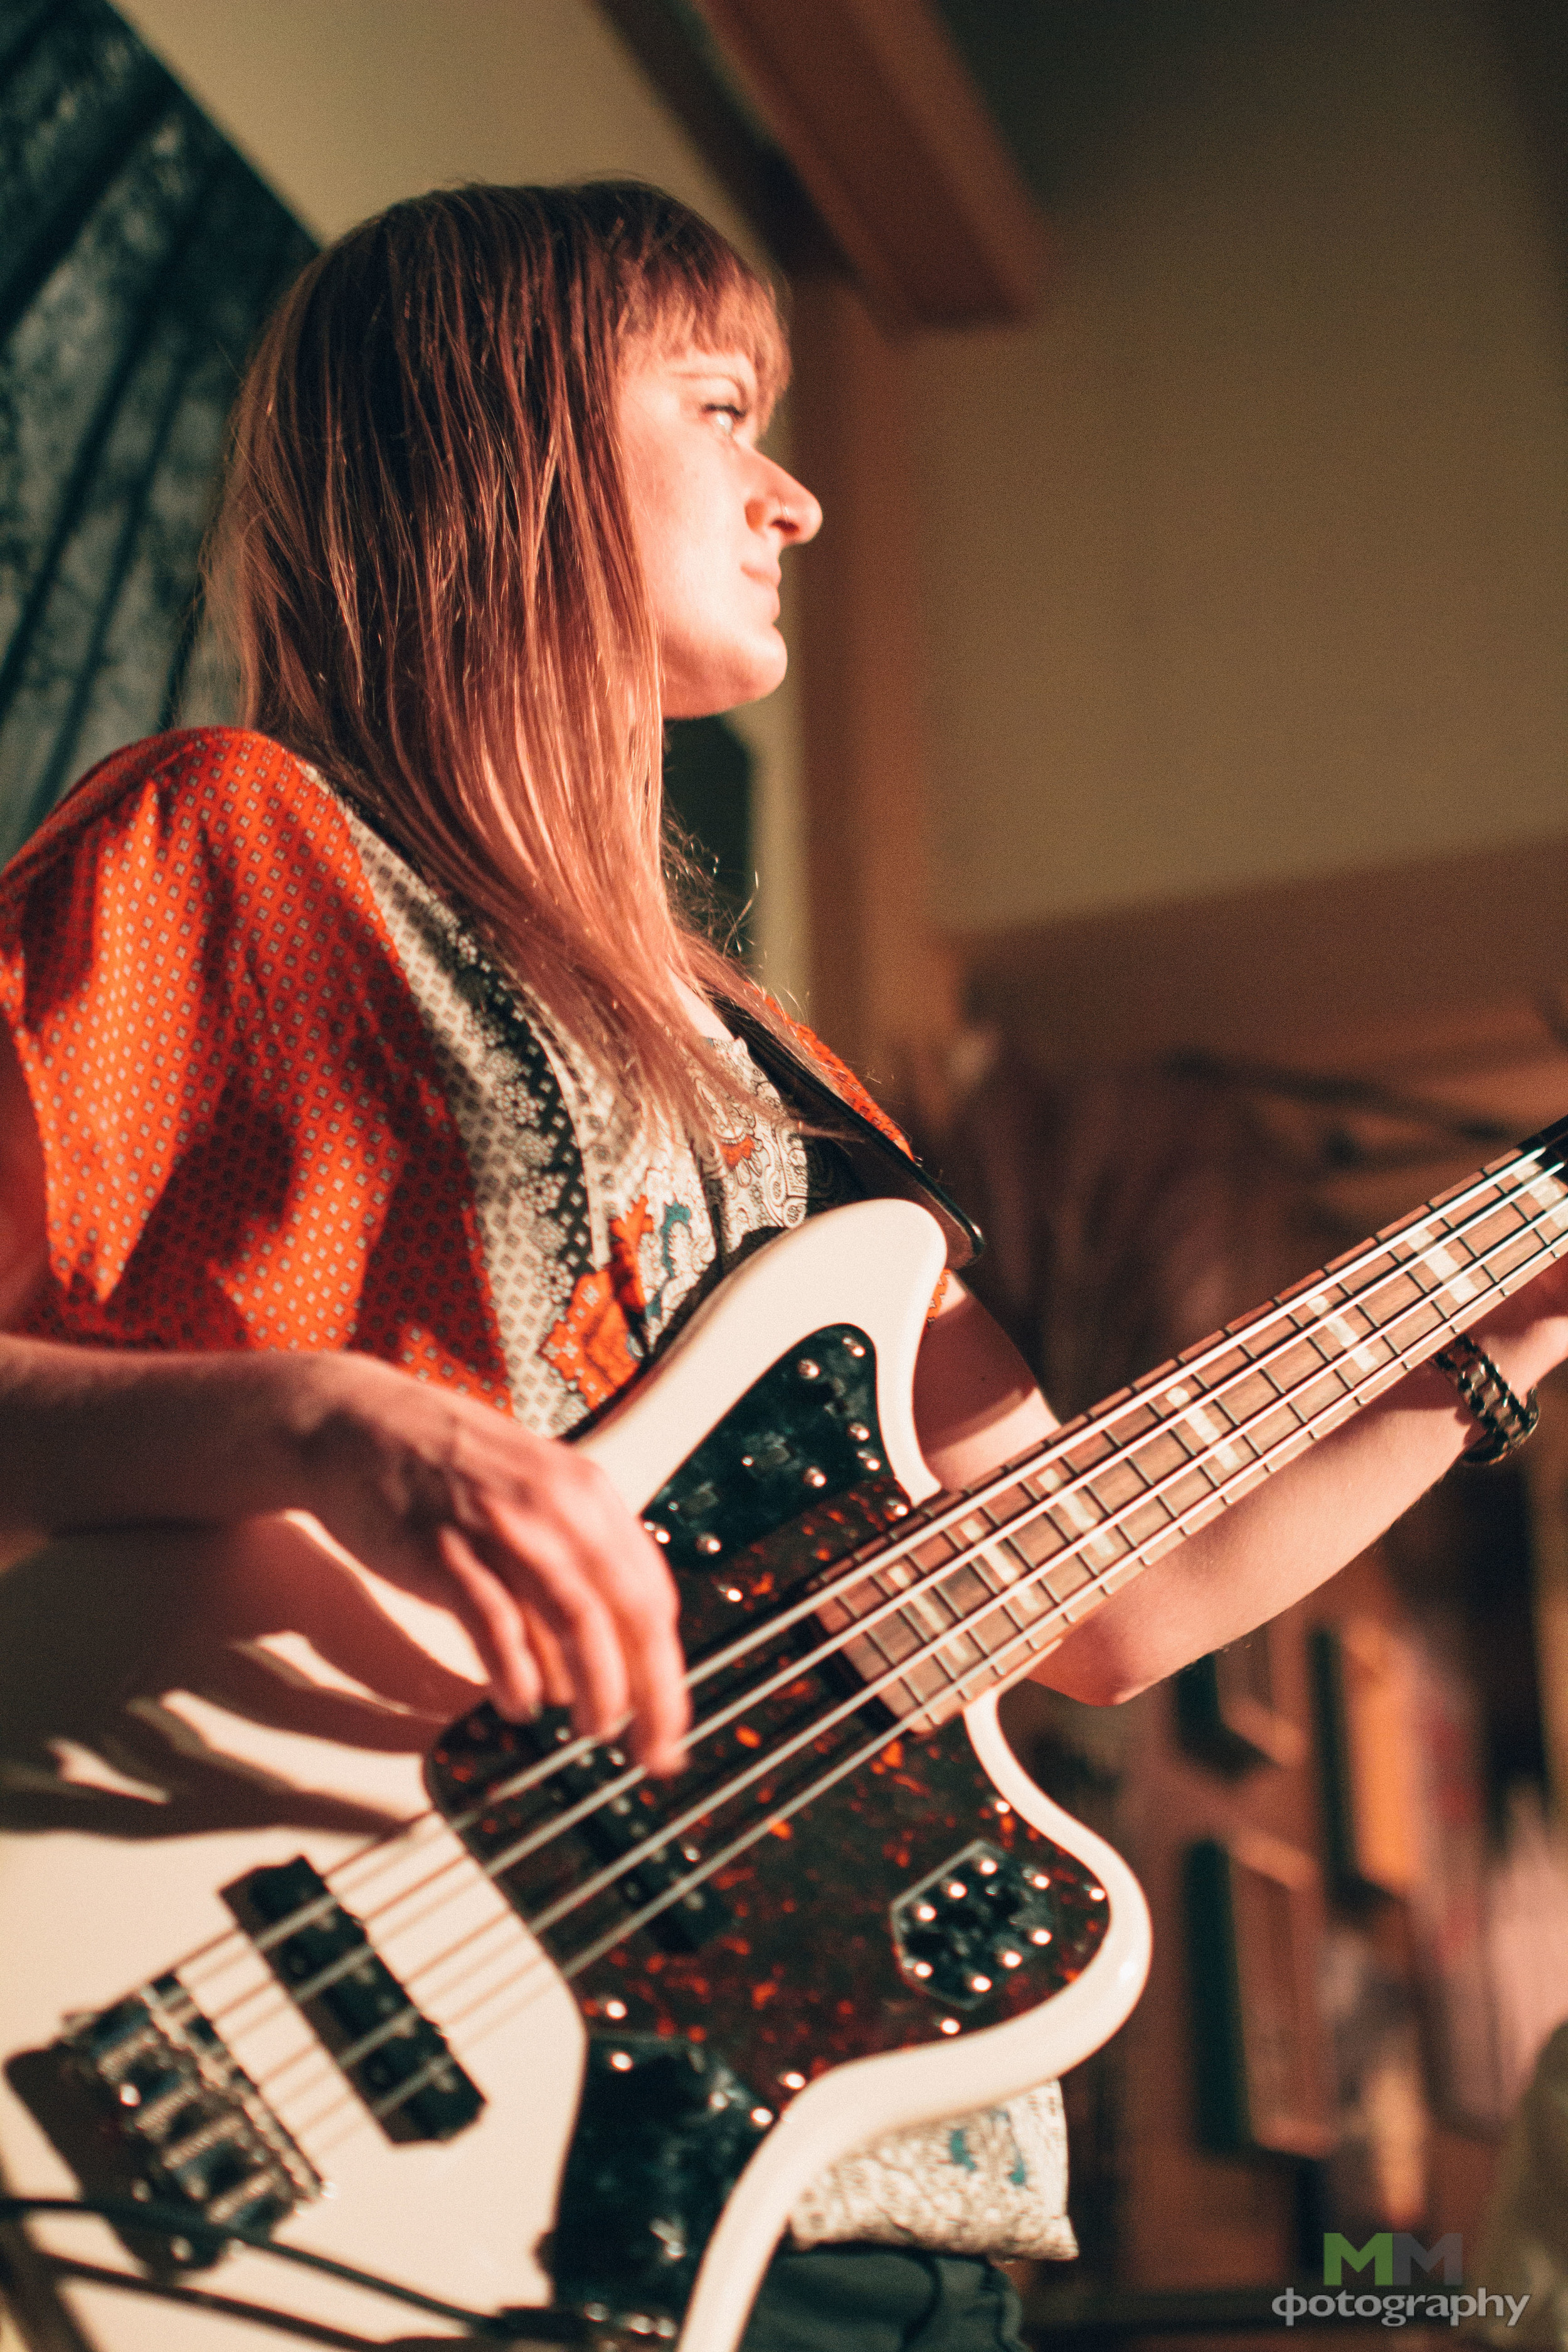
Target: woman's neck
{"points": [[703, 1018]]}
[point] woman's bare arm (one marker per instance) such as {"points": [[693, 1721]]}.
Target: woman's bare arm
{"points": [[976, 1406]]}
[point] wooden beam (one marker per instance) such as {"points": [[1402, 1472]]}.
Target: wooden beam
{"points": [[872, 994], [755, 174], [877, 112]]}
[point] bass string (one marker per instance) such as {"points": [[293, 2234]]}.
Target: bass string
{"points": [[995, 1605], [1491, 1182], [932, 1579], [582, 1959], [1066, 1612], [1069, 1611], [1035, 1635], [954, 1509], [986, 1666]]}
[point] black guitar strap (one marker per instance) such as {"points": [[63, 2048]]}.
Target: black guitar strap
{"points": [[879, 1165]]}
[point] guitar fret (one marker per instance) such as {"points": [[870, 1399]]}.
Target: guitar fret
{"points": [[1551, 1198], [1037, 1542], [1117, 1485]]}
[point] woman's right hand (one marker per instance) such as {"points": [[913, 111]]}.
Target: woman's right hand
{"points": [[565, 1598], [522, 1538]]}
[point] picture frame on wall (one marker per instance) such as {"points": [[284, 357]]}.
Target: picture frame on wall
{"points": [[1378, 2175], [1227, 1709], [1363, 1722], [1254, 1932]]}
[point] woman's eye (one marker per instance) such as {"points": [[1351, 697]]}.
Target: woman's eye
{"points": [[727, 417]]}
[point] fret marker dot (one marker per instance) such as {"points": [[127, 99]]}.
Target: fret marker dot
{"points": [[950, 2025]]}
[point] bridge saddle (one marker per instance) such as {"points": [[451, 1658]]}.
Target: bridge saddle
{"points": [[183, 2125]]}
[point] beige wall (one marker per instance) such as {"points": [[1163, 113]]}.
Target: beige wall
{"points": [[1249, 562], [1245, 565], [346, 105]]}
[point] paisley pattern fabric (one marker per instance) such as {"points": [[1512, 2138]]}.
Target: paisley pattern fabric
{"points": [[992, 2183], [597, 1230], [286, 1101]]}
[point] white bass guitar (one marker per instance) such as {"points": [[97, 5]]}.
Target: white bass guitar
{"points": [[325, 1987]]}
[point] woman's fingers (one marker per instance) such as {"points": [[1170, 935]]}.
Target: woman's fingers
{"points": [[545, 1569], [582, 1572], [547, 1656], [642, 1595], [555, 1581], [493, 1624], [655, 1667]]}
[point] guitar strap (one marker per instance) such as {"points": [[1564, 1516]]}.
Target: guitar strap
{"points": [[881, 1160]]}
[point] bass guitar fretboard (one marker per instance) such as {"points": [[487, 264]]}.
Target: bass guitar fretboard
{"points": [[976, 1588]]}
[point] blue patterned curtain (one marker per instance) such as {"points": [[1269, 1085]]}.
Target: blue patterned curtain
{"points": [[139, 255]]}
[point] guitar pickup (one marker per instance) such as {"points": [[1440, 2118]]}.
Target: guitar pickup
{"points": [[472, 1774], [397, 2061], [687, 1916]]}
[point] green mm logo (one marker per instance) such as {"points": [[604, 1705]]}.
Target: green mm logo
{"points": [[1391, 2253]]}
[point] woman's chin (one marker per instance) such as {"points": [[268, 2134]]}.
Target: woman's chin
{"points": [[726, 687]]}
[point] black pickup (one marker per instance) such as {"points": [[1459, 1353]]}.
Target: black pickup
{"points": [[397, 2061]]}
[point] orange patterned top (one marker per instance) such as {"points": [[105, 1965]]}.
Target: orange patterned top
{"points": [[284, 1103]]}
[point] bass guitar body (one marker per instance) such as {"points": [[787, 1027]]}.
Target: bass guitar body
{"points": [[302, 1943]]}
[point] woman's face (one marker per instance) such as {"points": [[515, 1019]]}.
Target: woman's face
{"points": [[712, 515]]}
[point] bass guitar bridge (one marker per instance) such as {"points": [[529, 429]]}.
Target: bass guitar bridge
{"points": [[145, 2102]]}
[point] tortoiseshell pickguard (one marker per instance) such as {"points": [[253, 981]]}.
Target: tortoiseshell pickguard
{"points": [[797, 1966]]}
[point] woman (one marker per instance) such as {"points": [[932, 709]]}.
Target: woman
{"points": [[367, 1043]]}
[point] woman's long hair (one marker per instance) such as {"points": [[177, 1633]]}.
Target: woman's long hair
{"points": [[425, 558]]}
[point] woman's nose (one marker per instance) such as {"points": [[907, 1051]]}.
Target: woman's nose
{"points": [[783, 503]]}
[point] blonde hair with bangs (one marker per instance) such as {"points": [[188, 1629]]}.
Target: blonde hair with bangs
{"points": [[425, 558]]}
